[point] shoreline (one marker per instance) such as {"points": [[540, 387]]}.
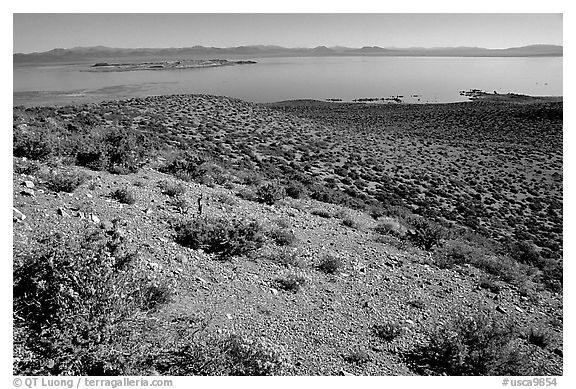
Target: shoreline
{"points": [[93, 97]]}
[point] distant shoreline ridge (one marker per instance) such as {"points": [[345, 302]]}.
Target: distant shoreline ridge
{"points": [[107, 53]]}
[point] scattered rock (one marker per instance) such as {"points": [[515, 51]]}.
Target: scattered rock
{"points": [[501, 309], [17, 216], [202, 280], [27, 192], [106, 225], [62, 212]]}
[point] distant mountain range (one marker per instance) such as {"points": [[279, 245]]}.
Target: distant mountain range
{"points": [[102, 53]]}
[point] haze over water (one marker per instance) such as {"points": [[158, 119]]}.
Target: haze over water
{"points": [[417, 79]]}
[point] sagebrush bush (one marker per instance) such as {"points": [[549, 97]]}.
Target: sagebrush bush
{"points": [[489, 284], [330, 264], [123, 196], [25, 167], [172, 190], [189, 166], [287, 256], [358, 356], [74, 298], [551, 270], [118, 150], [32, 144], [425, 233], [291, 282], [181, 204], [247, 194], [225, 237], [349, 223], [477, 344], [223, 355], [389, 226], [387, 331], [539, 337], [295, 190], [270, 193], [455, 253], [322, 213], [65, 181], [282, 237], [226, 199]]}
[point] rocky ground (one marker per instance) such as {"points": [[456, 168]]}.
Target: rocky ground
{"points": [[324, 328]]}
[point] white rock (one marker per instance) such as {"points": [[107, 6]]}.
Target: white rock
{"points": [[17, 215]]}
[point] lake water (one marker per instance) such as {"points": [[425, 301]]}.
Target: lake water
{"points": [[276, 79]]}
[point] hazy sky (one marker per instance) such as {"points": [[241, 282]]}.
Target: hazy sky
{"points": [[41, 32]]}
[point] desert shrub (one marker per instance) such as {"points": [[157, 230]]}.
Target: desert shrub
{"points": [[349, 222], [322, 213], [26, 167], [190, 166], [172, 190], [249, 178], [489, 284], [286, 256], [389, 226], [181, 204], [123, 196], [65, 181], [154, 296], [329, 264], [227, 238], [119, 150], [222, 355], [247, 194], [455, 253], [552, 274], [358, 356], [270, 192], [290, 283], [525, 252], [295, 189], [417, 303], [551, 270], [376, 211], [477, 344], [539, 337], [74, 299], [283, 223], [387, 331], [424, 233], [226, 199], [31, 144], [506, 269], [282, 237]]}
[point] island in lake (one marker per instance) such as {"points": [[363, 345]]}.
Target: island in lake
{"points": [[165, 65]]}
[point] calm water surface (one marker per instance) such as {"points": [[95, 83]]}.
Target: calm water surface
{"points": [[417, 79]]}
